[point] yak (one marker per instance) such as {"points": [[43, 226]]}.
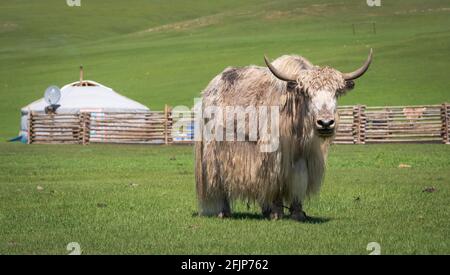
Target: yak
{"points": [[306, 97]]}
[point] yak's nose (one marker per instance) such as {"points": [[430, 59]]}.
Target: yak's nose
{"points": [[325, 124]]}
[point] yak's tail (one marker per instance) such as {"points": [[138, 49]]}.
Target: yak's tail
{"points": [[199, 169], [199, 173]]}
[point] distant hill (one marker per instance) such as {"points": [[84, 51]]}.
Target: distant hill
{"points": [[159, 52]]}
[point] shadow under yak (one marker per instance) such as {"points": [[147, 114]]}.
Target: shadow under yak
{"points": [[257, 216]]}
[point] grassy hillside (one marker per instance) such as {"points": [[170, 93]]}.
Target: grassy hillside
{"points": [[161, 52]]}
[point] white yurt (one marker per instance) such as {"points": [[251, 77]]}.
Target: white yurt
{"points": [[82, 96]]}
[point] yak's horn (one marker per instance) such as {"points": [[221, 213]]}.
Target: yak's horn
{"points": [[359, 72], [277, 73]]}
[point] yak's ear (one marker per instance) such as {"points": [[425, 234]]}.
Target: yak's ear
{"points": [[295, 87], [349, 85]]}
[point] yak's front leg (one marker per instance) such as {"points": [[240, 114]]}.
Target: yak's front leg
{"points": [[274, 210], [296, 211], [217, 205], [299, 188]]}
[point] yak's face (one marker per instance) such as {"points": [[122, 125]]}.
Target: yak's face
{"points": [[323, 106], [321, 87]]}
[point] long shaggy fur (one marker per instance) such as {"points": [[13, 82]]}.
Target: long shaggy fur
{"points": [[228, 171]]}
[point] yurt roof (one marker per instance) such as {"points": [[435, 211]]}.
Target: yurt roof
{"points": [[89, 96]]}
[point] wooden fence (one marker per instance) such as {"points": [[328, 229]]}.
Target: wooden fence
{"points": [[59, 128], [148, 127], [358, 125]]}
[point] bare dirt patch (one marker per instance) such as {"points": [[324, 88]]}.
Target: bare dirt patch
{"points": [[7, 26]]}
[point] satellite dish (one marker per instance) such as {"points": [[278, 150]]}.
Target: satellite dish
{"points": [[52, 95]]}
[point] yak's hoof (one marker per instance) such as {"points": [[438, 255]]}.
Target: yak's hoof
{"points": [[266, 214], [276, 216], [299, 216], [223, 215]]}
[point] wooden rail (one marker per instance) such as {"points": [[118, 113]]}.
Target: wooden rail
{"points": [[358, 124], [445, 117]]}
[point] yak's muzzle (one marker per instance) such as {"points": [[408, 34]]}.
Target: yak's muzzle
{"points": [[325, 127]]}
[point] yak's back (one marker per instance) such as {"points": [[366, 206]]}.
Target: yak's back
{"points": [[252, 85]]}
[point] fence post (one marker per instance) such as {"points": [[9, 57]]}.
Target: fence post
{"points": [[166, 124], [30, 125], [359, 124], [445, 114], [85, 119], [81, 128], [355, 125], [363, 122]]}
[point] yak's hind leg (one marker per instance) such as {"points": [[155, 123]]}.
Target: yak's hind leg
{"points": [[274, 210], [212, 199], [226, 210]]}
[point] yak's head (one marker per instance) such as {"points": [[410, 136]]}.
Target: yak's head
{"points": [[321, 86]]}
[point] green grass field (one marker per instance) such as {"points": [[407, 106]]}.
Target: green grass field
{"points": [[141, 199]]}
